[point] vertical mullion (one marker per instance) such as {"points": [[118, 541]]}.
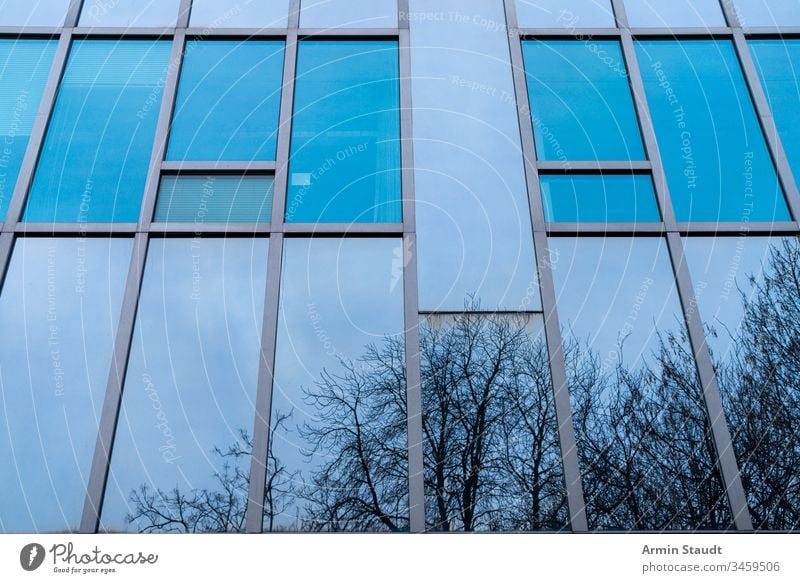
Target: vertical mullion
{"points": [[280, 189], [558, 372]]}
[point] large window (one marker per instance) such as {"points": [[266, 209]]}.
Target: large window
{"points": [[182, 451], [565, 13], [345, 152], [129, 13], [238, 13], [58, 312], [348, 14], [24, 67], [228, 101], [37, 13], [338, 458], [581, 103], [606, 198], [717, 164], [675, 13], [96, 153], [771, 13]]}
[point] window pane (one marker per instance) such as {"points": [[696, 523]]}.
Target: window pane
{"points": [[487, 397], [777, 62], [240, 13], [181, 457], [215, 199], [715, 158], [638, 410], [129, 13], [228, 101], [24, 67], [580, 100], [339, 401], [36, 13], [768, 12], [748, 294], [675, 13], [58, 312], [348, 14], [345, 154], [609, 198], [94, 161], [472, 212], [565, 13]]}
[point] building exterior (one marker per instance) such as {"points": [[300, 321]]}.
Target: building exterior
{"points": [[404, 265]]}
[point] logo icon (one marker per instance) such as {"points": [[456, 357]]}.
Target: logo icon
{"points": [[31, 556]]}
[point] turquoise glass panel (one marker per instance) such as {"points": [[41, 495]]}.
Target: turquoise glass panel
{"points": [[215, 199], [594, 198]]}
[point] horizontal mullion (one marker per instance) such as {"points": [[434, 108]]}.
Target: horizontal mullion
{"points": [[569, 33], [75, 228], [610, 229], [773, 31], [739, 228], [481, 312], [216, 166], [204, 228], [354, 33], [557, 166], [30, 31], [121, 32], [194, 32], [717, 31], [356, 229]]}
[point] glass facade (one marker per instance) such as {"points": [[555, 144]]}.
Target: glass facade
{"points": [[399, 266]]}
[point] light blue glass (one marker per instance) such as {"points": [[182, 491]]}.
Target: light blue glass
{"points": [[345, 152], [348, 14], [472, 213], [215, 199], [778, 64], [129, 13], [594, 198], [33, 13], [58, 312], [565, 14], [716, 161], [190, 389], [228, 101], [581, 103], [675, 13], [24, 67], [239, 13], [93, 165], [768, 12]]}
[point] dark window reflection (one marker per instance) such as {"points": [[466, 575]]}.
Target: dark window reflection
{"points": [[181, 459], [749, 297], [338, 459], [644, 440], [492, 458]]}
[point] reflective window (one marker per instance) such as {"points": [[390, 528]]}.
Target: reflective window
{"points": [[581, 104], [747, 290], [58, 311], [716, 161], [768, 12], [638, 410], [181, 458], [24, 67], [215, 199], [129, 13], [338, 460], [345, 153], [777, 62], [675, 13], [36, 13], [96, 153], [487, 397], [565, 13], [472, 212], [228, 101], [599, 198], [348, 14], [237, 13]]}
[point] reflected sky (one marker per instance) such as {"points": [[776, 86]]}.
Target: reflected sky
{"points": [[348, 14], [565, 13], [675, 13], [191, 381], [767, 12], [36, 13], [473, 218], [129, 13], [58, 312], [239, 13]]}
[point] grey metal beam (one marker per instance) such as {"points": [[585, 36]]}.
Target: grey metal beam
{"points": [[203, 32], [557, 166], [219, 166]]}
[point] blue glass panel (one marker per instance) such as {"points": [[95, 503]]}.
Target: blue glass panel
{"points": [[182, 450], [581, 103], [716, 161], [36, 13], [24, 67], [345, 153], [778, 64], [129, 13], [609, 198], [768, 12], [675, 13], [228, 101], [215, 199], [348, 14], [58, 312], [236, 13], [340, 389], [565, 13], [95, 157]]}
